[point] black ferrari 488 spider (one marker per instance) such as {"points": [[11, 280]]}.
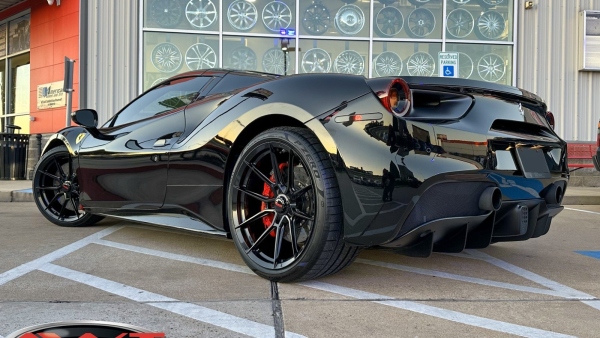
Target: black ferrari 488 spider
{"points": [[304, 171]]}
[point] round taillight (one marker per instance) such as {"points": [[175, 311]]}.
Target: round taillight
{"points": [[396, 98], [550, 119]]}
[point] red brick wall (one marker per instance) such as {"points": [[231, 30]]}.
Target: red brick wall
{"points": [[54, 34]]}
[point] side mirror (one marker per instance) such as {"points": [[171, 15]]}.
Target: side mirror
{"points": [[87, 118]]}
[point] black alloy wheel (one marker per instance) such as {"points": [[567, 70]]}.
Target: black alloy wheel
{"points": [[56, 190], [284, 208]]}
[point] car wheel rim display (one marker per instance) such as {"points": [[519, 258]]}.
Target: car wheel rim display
{"points": [[167, 13], [200, 13], [200, 56], [388, 64], [421, 22], [316, 60], [56, 188], [242, 15], [273, 61], [461, 2], [157, 81], [276, 15], [349, 19], [389, 21], [316, 19], [166, 57], [491, 67], [243, 58], [491, 25], [465, 65], [420, 64], [274, 208], [493, 2], [460, 23], [349, 62]]}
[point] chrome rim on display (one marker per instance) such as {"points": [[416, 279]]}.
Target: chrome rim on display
{"points": [[157, 81], [420, 64], [242, 15], [316, 60], [316, 19], [166, 57], [349, 62], [350, 19], [491, 25], [465, 65], [167, 13], [273, 61], [421, 22], [491, 67], [493, 2], [388, 64], [461, 2], [460, 23], [243, 58], [389, 21], [200, 56], [200, 13], [276, 15]]}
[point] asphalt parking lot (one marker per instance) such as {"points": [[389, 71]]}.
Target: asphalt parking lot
{"points": [[187, 285]]}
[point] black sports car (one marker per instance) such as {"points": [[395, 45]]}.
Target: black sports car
{"points": [[304, 171]]}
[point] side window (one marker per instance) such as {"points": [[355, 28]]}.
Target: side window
{"points": [[237, 81], [173, 95]]}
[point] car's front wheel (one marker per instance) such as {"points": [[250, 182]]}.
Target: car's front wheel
{"points": [[56, 190], [284, 208]]}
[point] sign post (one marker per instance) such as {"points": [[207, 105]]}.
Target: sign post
{"points": [[68, 87], [448, 64]]}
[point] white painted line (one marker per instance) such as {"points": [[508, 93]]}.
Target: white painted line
{"points": [[197, 312], [550, 284], [177, 257], [593, 303], [458, 317], [587, 211], [36, 263], [473, 280]]}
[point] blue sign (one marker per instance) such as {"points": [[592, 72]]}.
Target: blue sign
{"points": [[287, 31], [593, 254], [449, 71]]}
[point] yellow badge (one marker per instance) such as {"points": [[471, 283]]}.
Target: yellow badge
{"points": [[80, 137]]}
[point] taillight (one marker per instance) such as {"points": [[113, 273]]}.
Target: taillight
{"points": [[550, 119], [396, 98]]}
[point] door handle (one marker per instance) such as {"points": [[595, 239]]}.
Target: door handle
{"points": [[162, 142]]}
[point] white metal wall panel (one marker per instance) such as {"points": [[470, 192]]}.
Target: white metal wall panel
{"points": [[110, 77], [548, 63]]}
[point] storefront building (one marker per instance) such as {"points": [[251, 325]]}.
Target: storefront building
{"points": [[122, 48]]}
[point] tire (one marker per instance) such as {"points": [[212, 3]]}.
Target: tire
{"points": [[56, 191], [263, 209]]}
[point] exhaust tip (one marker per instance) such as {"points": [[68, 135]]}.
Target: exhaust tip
{"points": [[555, 194], [491, 199]]}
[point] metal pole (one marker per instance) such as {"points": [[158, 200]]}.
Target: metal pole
{"points": [[69, 107], [68, 87]]}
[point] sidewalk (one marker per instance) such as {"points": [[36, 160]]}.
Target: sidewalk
{"points": [[20, 191]]}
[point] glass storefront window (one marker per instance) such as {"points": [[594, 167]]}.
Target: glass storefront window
{"points": [[488, 20], [261, 54], [258, 16], [405, 58], [335, 18], [18, 34], [492, 63], [327, 56], [19, 79], [174, 14], [416, 19]]}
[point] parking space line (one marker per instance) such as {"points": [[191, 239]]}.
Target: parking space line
{"points": [[593, 303], [586, 211], [38, 262], [473, 280], [485, 323], [193, 311]]}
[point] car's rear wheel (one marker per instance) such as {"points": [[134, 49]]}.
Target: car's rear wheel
{"points": [[56, 190], [284, 208]]}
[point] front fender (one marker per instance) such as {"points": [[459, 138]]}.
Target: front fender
{"points": [[70, 137]]}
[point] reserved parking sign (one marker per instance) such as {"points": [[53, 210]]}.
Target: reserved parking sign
{"points": [[448, 64]]}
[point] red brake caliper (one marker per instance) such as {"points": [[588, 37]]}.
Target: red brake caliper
{"points": [[268, 193]]}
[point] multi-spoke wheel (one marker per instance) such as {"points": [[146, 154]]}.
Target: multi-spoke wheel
{"points": [[273, 61], [465, 65], [200, 13], [316, 60], [389, 21], [242, 58], [388, 64], [420, 64], [490, 3], [349, 20], [490, 25], [316, 19], [56, 190], [166, 57], [283, 207], [166, 13], [421, 23], [461, 2], [419, 2], [460, 23], [276, 15], [200, 56], [157, 81], [242, 15], [491, 67], [349, 62]]}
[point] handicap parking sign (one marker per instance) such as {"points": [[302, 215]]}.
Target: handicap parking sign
{"points": [[448, 64], [448, 71]]}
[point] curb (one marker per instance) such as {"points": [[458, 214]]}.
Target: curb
{"points": [[581, 200], [16, 196]]}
